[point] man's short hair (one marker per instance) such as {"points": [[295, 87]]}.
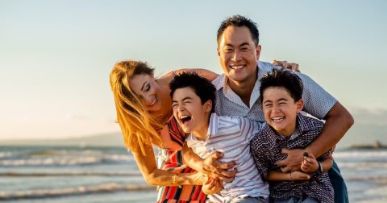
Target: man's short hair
{"points": [[239, 21], [201, 86], [285, 79]]}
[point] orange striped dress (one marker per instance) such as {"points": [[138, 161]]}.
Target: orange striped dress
{"points": [[173, 161]]}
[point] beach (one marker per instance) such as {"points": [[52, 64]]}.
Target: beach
{"points": [[109, 174]]}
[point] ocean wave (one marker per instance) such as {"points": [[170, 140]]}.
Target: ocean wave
{"points": [[64, 160], [374, 154], [48, 174], [72, 191], [363, 165]]}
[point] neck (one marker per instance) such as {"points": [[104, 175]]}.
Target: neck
{"points": [[202, 132], [243, 88], [288, 131]]}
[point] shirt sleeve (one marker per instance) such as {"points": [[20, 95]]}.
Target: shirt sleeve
{"points": [[250, 128], [317, 101]]}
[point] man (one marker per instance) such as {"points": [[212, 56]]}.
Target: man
{"points": [[238, 93]]}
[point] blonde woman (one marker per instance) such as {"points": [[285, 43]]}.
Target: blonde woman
{"points": [[144, 113]]}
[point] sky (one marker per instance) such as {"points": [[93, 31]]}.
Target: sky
{"points": [[56, 55]]}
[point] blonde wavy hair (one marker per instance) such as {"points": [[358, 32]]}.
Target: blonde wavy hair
{"points": [[138, 127]]}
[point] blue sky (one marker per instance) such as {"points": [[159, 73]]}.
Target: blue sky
{"points": [[56, 56]]}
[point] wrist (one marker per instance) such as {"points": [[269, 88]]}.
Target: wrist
{"points": [[320, 168]]}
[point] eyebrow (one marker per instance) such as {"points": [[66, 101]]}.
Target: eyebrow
{"points": [[185, 98], [281, 99]]}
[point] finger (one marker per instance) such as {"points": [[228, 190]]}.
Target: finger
{"points": [[281, 163], [216, 155], [285, 169], [226, 166]]}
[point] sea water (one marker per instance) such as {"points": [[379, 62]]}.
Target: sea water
{"points": [[109, 174]]}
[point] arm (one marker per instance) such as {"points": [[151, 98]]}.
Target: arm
{"points": [[338, 121], [153, 176], [288, 176]]}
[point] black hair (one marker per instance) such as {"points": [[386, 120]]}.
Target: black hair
{"points": [[239, 21], [285, 79], [201, 86]]}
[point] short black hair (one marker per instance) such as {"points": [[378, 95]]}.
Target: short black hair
{"points": [[201, 86], [285, 79], [239, 21]]}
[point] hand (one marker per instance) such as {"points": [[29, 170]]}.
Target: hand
{"points": [[216, 169], [199, 178], [284, 64], [298, 175], [293, 160], [212, 186], [310, 164]]}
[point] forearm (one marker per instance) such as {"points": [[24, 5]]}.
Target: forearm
{"points": [[191, 159], [154, 176], [166, 178], [338, 121], [278, 176]]}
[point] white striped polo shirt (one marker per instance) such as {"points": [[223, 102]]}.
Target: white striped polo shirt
{"points": [[232, 136]]}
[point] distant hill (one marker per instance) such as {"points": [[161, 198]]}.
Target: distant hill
{"points": [[107, 139]]}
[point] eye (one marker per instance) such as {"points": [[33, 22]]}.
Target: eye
{"points": [[147, 87], [244, 48], [268, 105], [228, 50]]}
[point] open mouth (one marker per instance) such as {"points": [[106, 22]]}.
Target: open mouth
{"points": [[185, 119]]}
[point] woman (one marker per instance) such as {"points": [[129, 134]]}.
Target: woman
{"points": [[144, 113]]}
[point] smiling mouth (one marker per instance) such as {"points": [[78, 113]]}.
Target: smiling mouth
{"points": [[236, 67], [278, 119], [154, 101], [185, 119]]}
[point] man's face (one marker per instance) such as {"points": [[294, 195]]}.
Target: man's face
{"points": [[238, 53], [280, 110], [189, 111]]}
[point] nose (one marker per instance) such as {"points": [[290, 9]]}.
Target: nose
{"points": [[236, 56], [149, 99]]}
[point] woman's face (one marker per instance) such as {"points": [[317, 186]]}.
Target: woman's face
{"points": [[148, 90]]}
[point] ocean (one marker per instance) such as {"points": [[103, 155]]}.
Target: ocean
{"points": [[109, 174]]}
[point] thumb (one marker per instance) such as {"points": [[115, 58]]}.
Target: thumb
{"points": [[216, 155]]}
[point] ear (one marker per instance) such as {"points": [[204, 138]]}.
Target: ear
{"points": [[258, 51], [207, 106], [300, 105], [217, 51]]}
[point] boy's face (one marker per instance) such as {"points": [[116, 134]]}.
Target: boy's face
{"points": [[189, 111], [280, 110]]}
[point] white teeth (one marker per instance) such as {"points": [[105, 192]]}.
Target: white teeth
{"points": [[236, 67], [277, 119]]}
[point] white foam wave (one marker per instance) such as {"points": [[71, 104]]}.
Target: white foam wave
{"points": [[76, 173], [71, 191], [374, 154]]}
